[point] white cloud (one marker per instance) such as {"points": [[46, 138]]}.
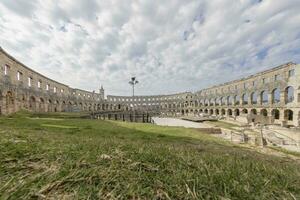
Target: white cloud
{"points": [[171, 46]]}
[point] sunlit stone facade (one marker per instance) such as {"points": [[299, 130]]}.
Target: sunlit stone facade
{"points": [[271, 97]]}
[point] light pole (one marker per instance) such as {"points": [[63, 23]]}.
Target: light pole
{"points": [[133, 82]]}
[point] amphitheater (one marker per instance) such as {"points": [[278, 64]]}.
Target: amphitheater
{"points": [[271, 96]]}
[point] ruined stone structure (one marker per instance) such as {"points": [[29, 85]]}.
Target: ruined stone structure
{"points": [[269, 97], [23, 88]]}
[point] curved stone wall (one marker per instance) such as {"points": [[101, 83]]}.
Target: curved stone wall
{"points": [[166, 104], [271, 96], [23, 88]]}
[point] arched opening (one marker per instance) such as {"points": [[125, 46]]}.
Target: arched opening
{"points": [[264, 112], [63, 106], [50, 106], [230, 100], [223, 101], [237, 112], [217, 112], [276, 113], [245, 111], [217, 101], [236, 100], [32, 103], [41, 105], [254, 98], [223, 112], [206, 111], [288, 115], [264, 97], [10, 101], [276, 95], [211, 112], [245, 99], [253, 111], [289, 94], [230, 112]]}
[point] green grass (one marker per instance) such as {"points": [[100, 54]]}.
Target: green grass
{"points": [[75, 158]]}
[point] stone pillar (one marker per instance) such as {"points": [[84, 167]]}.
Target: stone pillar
{"points": [[241, 100], [296, 119], [270, 98], [281, 117], [282, 97], [249, 99], [259, 99]]}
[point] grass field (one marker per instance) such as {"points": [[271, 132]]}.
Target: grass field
{"points": [[64, 157]]}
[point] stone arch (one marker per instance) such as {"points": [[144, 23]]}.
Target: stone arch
{"points": [[245, 98], [223, 112], [63, 106], [223, 99], [230, 100], [264, 112], [212, 102], [217, 101], [50, 105], [253, 111], [211, 111], [10, 102], [237, 112], [41, 105], [275, 95], [254, 98], [229, 111], [56, 106], [289, 94], [217, 112], [32, 103], [288, 115], [244, 111], [236, 100], [264, 97], [275, 114], [205, 111]]}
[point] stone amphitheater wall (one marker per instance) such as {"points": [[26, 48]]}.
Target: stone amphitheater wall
{"points": [[268, 97]]}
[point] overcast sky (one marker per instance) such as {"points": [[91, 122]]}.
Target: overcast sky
{"points": [[169, 45]]}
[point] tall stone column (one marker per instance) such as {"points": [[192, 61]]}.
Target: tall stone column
{"points": [[249, 99], [282, 97], [296, 119], [270, 98], [259, 99], [241, 100], [282, 117]]}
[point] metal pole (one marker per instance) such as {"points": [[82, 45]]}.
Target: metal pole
{"points": [[133, 89]]}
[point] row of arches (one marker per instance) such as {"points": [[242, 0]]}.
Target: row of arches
{"points": [[253, 98], [11, 102], [288, 114]]}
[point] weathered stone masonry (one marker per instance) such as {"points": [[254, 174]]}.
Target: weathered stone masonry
{"points": [[23, 88], [272, 96]]}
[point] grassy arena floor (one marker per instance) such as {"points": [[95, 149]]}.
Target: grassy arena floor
{"points": [[63, 157]]}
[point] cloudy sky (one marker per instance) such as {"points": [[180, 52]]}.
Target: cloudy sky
{"points": [[170, 45]]}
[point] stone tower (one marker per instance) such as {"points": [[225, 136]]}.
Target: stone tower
{"points": [[101, 91]]}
